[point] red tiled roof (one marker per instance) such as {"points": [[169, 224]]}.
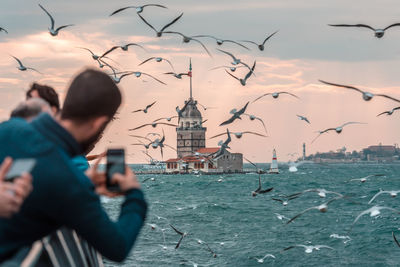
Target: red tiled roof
{"points": [[207, 150]]}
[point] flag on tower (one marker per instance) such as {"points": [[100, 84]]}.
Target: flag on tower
{"points": [[190, 69]]}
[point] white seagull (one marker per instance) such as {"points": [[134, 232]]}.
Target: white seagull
{"points": [[243, 81], [389, 112], [275, 95], [52, 31], [338, 129], [262, 45], [261, 260], [21, 67], [391, 193], [367, 96], [308, 249], [158, 59], [378, 32], [322, 208], [374, 211], [139, 9], [364, 179]]}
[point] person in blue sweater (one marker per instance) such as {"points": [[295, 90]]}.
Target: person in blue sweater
{"points": [[62, 194]]}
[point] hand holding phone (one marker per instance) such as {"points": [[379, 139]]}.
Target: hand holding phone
{"points": [[115, 164], [19, 167]]}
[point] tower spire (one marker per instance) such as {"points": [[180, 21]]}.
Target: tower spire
{"points": [[190, 75]]}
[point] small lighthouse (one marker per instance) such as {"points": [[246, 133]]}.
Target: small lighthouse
{"points": [[273, 169]]}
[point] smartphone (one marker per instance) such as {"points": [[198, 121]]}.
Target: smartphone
{"points": [[115, 164], [18, 167]]}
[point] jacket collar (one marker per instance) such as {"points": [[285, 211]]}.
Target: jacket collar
{"points": [[52, 130]]}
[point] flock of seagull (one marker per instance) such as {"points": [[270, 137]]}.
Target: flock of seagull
{"points": [[155, 140]]}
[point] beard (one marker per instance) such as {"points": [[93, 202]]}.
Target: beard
{"points": [[89, 144]]}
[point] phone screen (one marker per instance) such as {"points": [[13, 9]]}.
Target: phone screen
{"points": [[19, 167], [115, 164]]}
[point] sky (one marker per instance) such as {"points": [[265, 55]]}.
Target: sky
{"points": [[304, 50]]}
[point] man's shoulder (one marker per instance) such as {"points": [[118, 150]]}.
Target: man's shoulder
{"points": [[17, 133]]}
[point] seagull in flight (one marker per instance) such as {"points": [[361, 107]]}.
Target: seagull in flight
{"points": [[221, 41], [182, 234], [166, 118], [159, 33], [3, 30], [303, 118], [284, 202], [378, 32], [281, 217], [177, 75], [52, 31], [160, 143], [261, 260], [154, 125], [232, 68], [364, 179], [374, 211], [275, 95], [308, 249], [321, 193], [259, 189], [395, 239], [238, 135], [187, 39], [235, 61], [146, 146], [390, 112], [338, 129], [145, 109], [118, 79], [253, 117], [367, 96], [236, 114], [262, 45], [391, 193], [223, 146], [322, 208], [158, 59], [21, 67], [259, 171], [243, 81], [139, 73], [204, 107], [208, 248], [123, 48], [139, 9]]}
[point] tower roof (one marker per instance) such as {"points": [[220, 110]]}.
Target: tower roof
{"points": [[191, 110]]}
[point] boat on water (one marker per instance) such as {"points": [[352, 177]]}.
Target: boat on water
{"points": [[273, 169]]}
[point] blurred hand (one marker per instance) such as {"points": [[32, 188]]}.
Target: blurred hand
{"points": [[126, 181], [99, 179], [13, 194]]}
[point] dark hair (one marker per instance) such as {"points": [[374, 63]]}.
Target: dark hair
{"points": [[45, 92], [25, 111], [91, 94]]}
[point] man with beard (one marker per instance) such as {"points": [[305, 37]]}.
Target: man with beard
{"points": [[63, 195]]}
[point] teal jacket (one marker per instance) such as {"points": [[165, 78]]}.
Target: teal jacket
{"points": [[62, 195]]}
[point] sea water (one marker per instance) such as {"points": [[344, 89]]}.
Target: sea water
{"points": [[219, 210]]}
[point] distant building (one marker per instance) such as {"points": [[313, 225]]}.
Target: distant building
{"points": [[192, 153]]}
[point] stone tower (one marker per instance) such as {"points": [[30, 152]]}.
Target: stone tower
{"points": [[191, 135]]}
